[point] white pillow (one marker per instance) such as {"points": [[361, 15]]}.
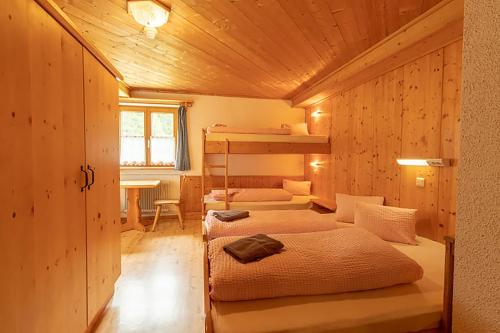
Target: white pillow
{"points": [[297, 187], [346, 205], [299, 129], [392, 224]]}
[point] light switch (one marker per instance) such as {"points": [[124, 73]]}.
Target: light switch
{"points": [[420, 182]]}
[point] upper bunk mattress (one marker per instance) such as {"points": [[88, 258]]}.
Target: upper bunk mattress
{"points": [[237, 130], [267, 138], [404, 308]]}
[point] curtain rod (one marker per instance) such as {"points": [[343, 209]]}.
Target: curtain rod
{"points": [[155, 103]]}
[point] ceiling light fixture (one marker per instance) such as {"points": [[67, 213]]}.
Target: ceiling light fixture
{"points": [[151, 14]]}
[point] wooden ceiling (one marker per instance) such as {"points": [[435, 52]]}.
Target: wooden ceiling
{"points": [[253, 48]]}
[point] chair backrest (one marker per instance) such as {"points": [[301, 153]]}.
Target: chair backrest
{"points": [[182, 181]]}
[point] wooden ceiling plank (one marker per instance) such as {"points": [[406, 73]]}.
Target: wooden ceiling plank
{"points": [[344, 15], [325, 20], [258, 57], [270, 17], [299, 12], [409, 9], [238, 26], [222, 52], [369, 21]]}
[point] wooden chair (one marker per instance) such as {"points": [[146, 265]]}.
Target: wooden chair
{"points": [[171, 205]]}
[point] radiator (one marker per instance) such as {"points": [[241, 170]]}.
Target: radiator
{"points": [[168, 189]]}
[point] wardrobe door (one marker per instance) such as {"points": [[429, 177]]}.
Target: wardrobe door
{"points": [[42, 227], [103, 198], [17, 311]]}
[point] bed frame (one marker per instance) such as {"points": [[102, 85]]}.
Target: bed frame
{"points": [[447, 296], [227, 147]]}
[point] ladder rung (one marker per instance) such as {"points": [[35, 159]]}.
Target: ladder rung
{"points": [[216, 166]]}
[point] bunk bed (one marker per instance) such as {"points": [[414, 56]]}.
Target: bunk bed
{"points": [[247, 141]]}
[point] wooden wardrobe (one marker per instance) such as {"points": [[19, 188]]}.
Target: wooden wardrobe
{"points": [[59, 240]]}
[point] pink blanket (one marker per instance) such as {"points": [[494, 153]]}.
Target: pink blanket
{"points": [[235, 130], [269, 222], [253, 194], [328, 262]]}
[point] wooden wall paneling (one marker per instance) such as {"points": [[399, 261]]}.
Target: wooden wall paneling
{"points": [[415, 110], [387, 136], [362, 144], [421, 137], [342, 135], [17, 192], [450, 125], [103, 206]]}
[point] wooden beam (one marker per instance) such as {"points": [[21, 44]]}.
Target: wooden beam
{"points": [[126, 101], [250, 147], [438, 27], [50, 7], [138, 91], [123, 89]]}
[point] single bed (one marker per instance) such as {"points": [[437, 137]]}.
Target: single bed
{"points": [[269, 222], [297, 202], [404, 308]]}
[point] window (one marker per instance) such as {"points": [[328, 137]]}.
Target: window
{"points": [[148, 137]]}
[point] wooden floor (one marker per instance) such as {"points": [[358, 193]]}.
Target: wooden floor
{"points": [[161, 286]]}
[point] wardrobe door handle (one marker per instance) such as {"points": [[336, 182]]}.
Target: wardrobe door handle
{"points": [[82, 169], [92, 171]]}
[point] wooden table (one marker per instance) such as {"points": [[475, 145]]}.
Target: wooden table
{"points": [[134, 208]]}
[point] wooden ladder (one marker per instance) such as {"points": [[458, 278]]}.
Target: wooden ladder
{"points": [[205, 166]]}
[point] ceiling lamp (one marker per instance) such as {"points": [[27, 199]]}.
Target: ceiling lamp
{"points": [[151, 14]]}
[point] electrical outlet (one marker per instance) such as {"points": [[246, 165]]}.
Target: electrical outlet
{"points": [[420, 182]]}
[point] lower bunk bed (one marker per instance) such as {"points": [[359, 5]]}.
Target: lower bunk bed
{"points": [[406, 307]]}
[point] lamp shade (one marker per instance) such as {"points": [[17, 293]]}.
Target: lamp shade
{"points": [[151, 14], [434, 162]]}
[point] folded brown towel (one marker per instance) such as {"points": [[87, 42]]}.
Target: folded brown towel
{"points": [[253, 248], [231, 215]]}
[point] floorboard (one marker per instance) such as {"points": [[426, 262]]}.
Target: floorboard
{"points": [[161, 286]]}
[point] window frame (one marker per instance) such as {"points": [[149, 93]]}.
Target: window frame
{"points": [[147, 135]]}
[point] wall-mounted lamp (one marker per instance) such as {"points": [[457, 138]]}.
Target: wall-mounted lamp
{"points": [[433, 162], [315, 164], [151, 14], [316, 113]]}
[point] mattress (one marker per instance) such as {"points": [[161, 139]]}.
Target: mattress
{"points": [[297, 202], [236, 130], [267, 138], [403, 308], [269, 222]]}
